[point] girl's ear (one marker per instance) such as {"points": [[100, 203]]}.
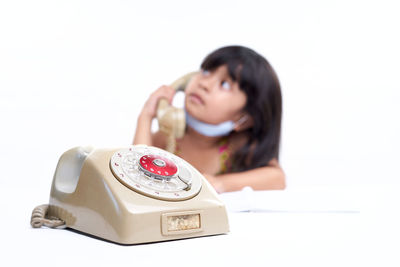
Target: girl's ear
{"points": [[244, 123]]}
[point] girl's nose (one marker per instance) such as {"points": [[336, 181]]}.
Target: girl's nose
{"points": [[206, 83]]}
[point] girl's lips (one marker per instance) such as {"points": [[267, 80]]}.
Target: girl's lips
{"points": [[196, 98]]}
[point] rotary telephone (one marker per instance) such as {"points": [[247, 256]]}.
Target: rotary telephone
{"points": [[130, 195], [134, 194]]}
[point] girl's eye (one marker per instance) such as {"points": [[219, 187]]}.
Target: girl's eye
{"points": [[225, 85], [205, 72]]}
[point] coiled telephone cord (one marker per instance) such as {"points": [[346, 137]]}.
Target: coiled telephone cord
{"points": [[40, 217]]}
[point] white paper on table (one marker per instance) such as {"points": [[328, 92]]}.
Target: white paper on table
{"points": [[300, 199]]}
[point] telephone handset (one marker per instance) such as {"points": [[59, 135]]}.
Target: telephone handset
{"points": [[171, 120], [130, 195]]}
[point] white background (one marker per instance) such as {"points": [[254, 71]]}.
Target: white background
{"points": [[78, 72]]}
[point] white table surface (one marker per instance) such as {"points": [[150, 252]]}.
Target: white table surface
{"points": [[303, 226]]}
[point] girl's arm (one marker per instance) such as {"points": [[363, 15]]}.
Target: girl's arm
{"points": [[263, 178], [143, 131]]}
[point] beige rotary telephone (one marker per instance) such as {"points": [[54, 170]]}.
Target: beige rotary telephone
{"points": [[130, 195], [171, 120]]}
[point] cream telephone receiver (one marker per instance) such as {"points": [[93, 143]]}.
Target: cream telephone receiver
{"points": [[130, 195], [171, 120]]}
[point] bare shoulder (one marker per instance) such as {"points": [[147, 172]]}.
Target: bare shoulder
{"points": [[159, 139]]}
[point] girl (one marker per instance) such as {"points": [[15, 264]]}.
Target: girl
{"points": [[233, 108]]}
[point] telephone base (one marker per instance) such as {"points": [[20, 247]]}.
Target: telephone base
{"points": [[90, 199]]}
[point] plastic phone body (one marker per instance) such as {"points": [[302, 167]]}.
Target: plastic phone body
{"points": [[171, 120], [135, 194]]}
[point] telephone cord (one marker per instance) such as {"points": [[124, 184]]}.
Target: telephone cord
{"points": [[171, 143], [40, 218]]}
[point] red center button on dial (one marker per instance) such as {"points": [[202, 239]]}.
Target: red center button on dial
{"points": [[158, 165]]}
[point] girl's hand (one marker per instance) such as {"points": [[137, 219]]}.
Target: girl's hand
{"points": [[143, 133], [149, 110], [215, 182]]}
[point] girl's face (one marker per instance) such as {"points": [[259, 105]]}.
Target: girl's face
{"points": [[213, 97]]}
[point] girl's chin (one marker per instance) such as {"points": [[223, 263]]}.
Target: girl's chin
{"points": [[191, 108], [194, 112]]}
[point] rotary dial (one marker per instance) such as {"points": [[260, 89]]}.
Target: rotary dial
{"points": [[154, 172]]}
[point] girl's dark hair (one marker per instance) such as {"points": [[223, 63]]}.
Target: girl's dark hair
{"points": [[259, 81]]}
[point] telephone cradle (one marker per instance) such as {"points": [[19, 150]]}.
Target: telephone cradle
{"points": [[131, 195]]}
